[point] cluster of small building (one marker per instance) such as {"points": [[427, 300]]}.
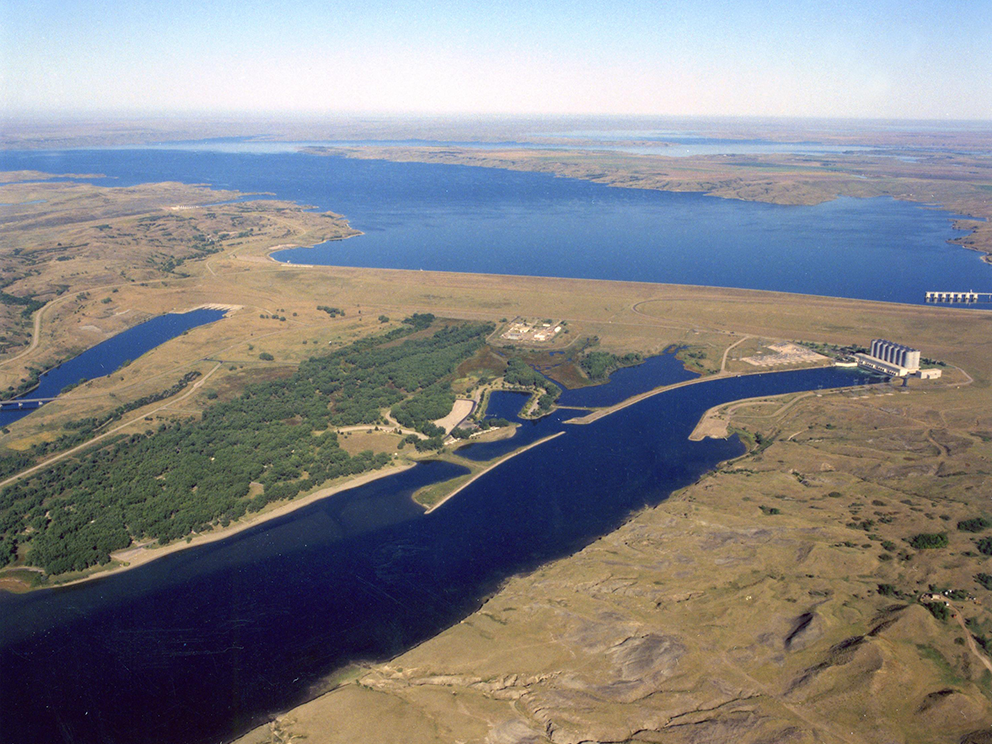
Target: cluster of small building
{"points": [[967, 298], [521, 330], [895, 360]]}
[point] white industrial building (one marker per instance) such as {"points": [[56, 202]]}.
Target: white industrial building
{"points": [[895, 360], [897, 354]]}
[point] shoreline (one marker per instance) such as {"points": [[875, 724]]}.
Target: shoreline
{"points": [[292, 246], [515, 163], [592, 281], [953, 216], [147, 554], [141, 555], [493, 466], [713, 426], [607, 410]]}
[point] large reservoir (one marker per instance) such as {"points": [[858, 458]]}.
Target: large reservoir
{"points": [[486, 220]]}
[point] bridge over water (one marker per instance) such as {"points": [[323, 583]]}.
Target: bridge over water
{"points": [[23, 403]]}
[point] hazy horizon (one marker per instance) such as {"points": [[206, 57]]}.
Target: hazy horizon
{"points": [[776, 59], [252, 116]]}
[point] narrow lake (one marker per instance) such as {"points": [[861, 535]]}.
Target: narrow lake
{"points": [[201, 645], [109, 355]]}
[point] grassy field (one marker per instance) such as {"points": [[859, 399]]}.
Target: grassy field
{"points": [[776, 599]]}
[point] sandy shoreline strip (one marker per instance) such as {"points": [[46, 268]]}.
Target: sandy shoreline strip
{"points": [[133, 557], [139, 556], [496, 464]]}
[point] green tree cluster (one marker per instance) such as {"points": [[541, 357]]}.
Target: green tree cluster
{"points": [[519, 373], [28, 304], [421, 410], [929, 540], [977, 524], [271, 443], [82, 429], [938, 610], [599, 364]]}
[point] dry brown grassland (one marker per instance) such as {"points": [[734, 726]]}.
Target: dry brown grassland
{"points": [[750, 607]]}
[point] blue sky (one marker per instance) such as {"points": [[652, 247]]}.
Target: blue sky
{"points": [[882, 59]]}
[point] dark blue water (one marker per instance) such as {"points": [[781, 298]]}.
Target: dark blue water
{"points": [[663, 369], [109, 355], [507, 405], [199, 646], [458, 218], [654, 372], [876, 249]]}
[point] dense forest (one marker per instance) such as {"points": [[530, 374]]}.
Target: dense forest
{"points": [[83, 429], [519, 373], [273, 442], [598, 364]]}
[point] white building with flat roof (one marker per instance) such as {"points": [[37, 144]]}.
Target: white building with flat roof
{"points": [[866, 361]]}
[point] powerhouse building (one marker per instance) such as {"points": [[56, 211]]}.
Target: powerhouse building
{"points": [[895, 360], [895, 354]]}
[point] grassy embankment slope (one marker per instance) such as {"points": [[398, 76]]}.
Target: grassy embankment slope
{"points": [[707, 618]]}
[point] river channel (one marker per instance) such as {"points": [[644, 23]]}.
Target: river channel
{"points": [[203, 644]]}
